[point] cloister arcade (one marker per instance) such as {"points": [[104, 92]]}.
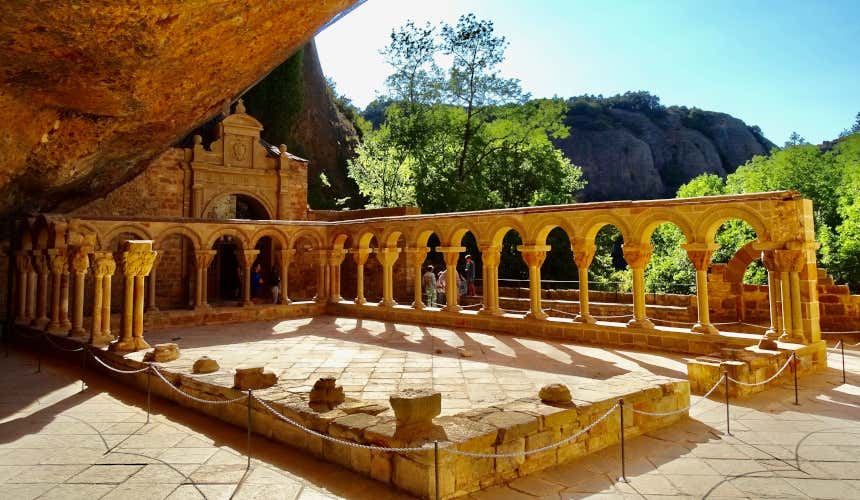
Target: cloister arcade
{"points": [[72, 273]]}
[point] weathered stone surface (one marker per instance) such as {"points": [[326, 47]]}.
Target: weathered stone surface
{"points": [[162, 353], [325, 391], [89, 116], [416, 406], [253, 378], [511, 424], [555, 393], [205, 364]]}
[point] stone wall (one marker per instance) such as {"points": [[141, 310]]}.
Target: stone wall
{"points": [[159, 191]]}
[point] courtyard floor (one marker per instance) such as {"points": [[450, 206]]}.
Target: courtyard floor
{"points": [[59, 442], [372, 359]]}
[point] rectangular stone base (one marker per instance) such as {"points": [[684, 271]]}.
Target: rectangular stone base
{"points": [[752, 366]]}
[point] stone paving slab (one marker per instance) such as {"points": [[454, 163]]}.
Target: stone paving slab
{"points": [[372, 359], [57, 442]]}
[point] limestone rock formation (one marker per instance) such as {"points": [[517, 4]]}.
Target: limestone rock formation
{"points": [[92, 91], [633, 155]]}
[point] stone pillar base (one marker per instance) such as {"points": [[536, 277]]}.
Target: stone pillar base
{"points": [[130, 345], [451, 308], [417, 305], [102, 340], [389, 303], [641, 323], [78, 332], [706, 329], [792, 339], [540, 316], [767, 344], [587, 319], [40, 323], [490, 312], [57, 329]]}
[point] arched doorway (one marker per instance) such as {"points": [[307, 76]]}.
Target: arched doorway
{"points": [[237, 206]]}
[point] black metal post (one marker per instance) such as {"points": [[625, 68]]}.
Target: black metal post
{"points": [[39, 355], [248, 448], [794, 369], [436, 465], [623, 462], [148, 393], [83, 365], [728, 425], [842, 348]]}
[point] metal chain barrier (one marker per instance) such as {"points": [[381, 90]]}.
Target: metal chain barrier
{"points": [[681, 410], [58, 346], [536, 450], [747, 384], [117, 370], [194, 398], [335, 440]]}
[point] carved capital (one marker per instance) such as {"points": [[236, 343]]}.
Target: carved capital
{"points": [[23, 262], [202, 258], [533, 255], [138, 258], [59, 264], [80, 262], [103, 264], [387, 256], [451, 254], [637, 255], [490, 255], [40, 263], [246, 257], [583, 252], [700, 254], [285, 256], [418, 255], [336, 256], [787, 261]]}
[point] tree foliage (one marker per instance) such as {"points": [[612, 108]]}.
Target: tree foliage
{"points": [[471, 138]]}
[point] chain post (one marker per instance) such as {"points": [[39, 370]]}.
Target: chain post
{"points": [[794, 369], [728, 425], [248, 447], [83, 365], [436, 465], [842, 348], [623, 461], [148, 393]]}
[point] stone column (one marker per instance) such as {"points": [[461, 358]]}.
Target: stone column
{"points": [[59, 265], [137, 260], [534, 257], [789, 263], [769, 338], [700, 255], [451, 256], [22, 264], [284, 258], [103, 265], [360, 257], [32, 295], [151, 306], [490, 256], [637, 257], [80, 265], [202, 260], [322, 265], [246, 260], [64, 301], [40, 263], [335, 259], [417, 256], [583, 254], [387, 257], [107, 260]]}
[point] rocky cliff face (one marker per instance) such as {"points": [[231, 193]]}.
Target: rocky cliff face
{"points": [[92, 91], [634, 155]]}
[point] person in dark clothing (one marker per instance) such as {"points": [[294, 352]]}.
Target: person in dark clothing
{"points": [[470, 276]]}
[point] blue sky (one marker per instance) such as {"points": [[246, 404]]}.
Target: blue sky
{"points": [[785, 66]]}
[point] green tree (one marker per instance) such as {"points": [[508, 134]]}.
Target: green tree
{"points": [[383, 176]]}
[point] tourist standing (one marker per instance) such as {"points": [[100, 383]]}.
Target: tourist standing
{"points": [[429, 283], [256, 280], [470, 276], [275, 281], [441, 286]]}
